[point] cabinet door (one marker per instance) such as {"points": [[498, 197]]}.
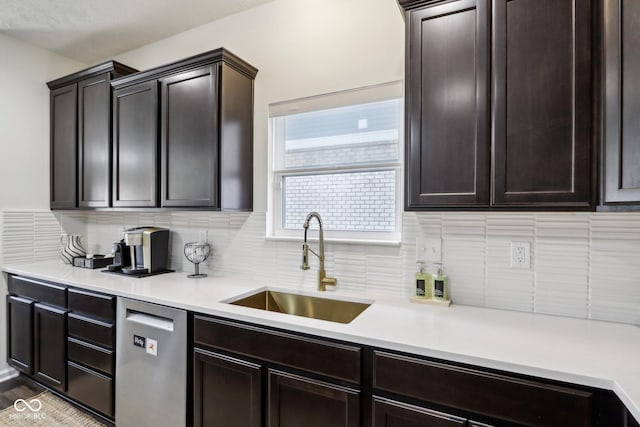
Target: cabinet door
{"points": [[447, 155], [64, 147], [50, 349], [20, 330], [190, 171], [135, 146], [226, 391], [295, 401], [542, 103], [622, 127], [389, 413], [94, 142]]}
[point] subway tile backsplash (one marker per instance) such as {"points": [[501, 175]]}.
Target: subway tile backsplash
{"points": [[583, 265]]}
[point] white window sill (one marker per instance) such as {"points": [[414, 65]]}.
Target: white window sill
{"points": [[367, 242]]}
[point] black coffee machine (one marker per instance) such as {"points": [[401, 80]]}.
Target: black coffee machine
{"points": [[143, 251], [121, 256]]}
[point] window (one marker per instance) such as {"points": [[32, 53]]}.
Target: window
{"points": [[339, 155]]}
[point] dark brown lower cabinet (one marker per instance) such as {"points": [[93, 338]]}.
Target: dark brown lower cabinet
{"points": [[227, 391], [91, 388], [37, 329], [495, 396], [295, 401], [91, 349], [391, 413], [20, 330], [50, 353], [263, 380]]}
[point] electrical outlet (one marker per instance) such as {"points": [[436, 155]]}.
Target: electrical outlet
{"points": [[204, 236], [520, 254], [428, 250]]}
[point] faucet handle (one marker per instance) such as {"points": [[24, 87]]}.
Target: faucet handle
{"points": [[330, 281], [305, 257]]}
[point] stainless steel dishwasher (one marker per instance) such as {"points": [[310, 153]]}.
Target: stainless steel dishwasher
{"points": [[151, 365]]}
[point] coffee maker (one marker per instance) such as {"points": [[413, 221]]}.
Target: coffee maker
{"points": [[121, 257], [148, 250]]}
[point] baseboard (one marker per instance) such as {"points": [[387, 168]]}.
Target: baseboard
{"points": [[7, 373]]}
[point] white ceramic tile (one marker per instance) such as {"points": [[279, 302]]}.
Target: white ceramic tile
{"points": [[463, 225], [583, 264], [17, 236], [46, 236], [562, 264], [507, 287], [464, 261], [615, 268], [430, 224]]}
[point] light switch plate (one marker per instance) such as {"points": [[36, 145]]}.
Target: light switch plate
{"points": [[428, 249]]}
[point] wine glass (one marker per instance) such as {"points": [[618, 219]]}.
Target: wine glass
{"points": [[197, 252]]}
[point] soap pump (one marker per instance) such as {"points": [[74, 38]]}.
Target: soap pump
{"points": [[423, 282], [439, 284]]}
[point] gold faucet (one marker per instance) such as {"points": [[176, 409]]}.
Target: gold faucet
{"points": [[323, 280]]}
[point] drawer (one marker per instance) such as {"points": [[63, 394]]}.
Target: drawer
{"points": [[498, 396], [91, 388], [390, 412], [92, 304], [90, 355], [313, 355], [91, 330], [39, 291]]}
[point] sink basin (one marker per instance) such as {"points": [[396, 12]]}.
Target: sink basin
{"points": [[333, 310]]}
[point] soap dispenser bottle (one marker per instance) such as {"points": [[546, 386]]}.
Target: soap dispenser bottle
{"points": [[440, 284], [423, 282]]}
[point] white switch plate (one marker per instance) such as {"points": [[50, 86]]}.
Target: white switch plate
{"points": [[204, 236], [520, 254], [428, 250]]}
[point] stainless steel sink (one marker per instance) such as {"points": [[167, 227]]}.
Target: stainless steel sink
{"points": [[333, 310]]}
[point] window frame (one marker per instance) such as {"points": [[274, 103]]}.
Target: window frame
{"points": [[381, 92]]}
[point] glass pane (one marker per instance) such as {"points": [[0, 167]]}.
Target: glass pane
{"points": [[365, 133], [358, 201]]}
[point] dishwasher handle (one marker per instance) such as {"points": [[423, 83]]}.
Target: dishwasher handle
{"points": [[150, 320]]}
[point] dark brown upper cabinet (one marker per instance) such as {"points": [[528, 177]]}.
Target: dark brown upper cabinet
{"points": [[447, 98], [64, 146], [197, 132], [621, 154], [542, 104], [135, 145], [80, 122], [189, 138], [500, 104], [94, 142]]}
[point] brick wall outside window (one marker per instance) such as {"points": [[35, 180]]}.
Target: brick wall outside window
{"points": [[358, 201]]}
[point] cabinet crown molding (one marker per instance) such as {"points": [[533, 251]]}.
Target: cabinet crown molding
{"points": [[414, 4], [217, 55], [114, 67]]}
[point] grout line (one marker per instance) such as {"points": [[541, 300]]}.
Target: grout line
{"points": [[589, 265], [532, 264], [486, 256]]}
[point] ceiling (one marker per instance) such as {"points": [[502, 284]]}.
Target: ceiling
{"points": [[89, 31]]}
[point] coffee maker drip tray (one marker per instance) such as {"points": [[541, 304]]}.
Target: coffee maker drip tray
{"points": [[137, 273]]}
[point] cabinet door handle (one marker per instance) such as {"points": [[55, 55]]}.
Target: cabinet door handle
{"points": [[151, 320]]}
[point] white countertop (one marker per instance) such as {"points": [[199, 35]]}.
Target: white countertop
{"points": [[587, 352]]}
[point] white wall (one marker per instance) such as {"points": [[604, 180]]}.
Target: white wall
{"points": [[24, 121], [301, 48], [24, 133]]}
